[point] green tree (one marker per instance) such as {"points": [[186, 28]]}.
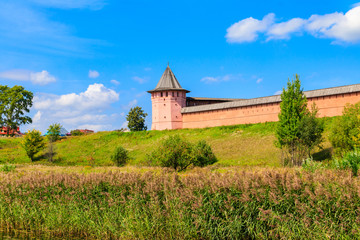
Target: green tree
{"points": [[136, 119], [53, 132], [33, 143], [345, 130], [298, 131], [15, 102], [312, 129]]}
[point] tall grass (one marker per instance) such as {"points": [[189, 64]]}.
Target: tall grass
{"points": [[202, 204]]}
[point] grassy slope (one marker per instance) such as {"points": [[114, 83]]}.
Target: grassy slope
{"points": [[239, 145]]}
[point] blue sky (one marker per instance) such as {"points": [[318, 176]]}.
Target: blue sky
{"points": [[89, 61]]}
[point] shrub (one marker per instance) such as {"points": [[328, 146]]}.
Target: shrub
{"points": [[203, 154], [310, 165], [345, 130], [120, 156], [351, 161], [173, 152], [33, 143], [76, 133], [7, 168], [177, 153]]}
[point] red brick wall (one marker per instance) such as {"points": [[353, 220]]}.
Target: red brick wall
{"points": [[328, 106]]}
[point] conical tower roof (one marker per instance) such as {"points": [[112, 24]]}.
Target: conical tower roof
{"points": [[168, 81]]}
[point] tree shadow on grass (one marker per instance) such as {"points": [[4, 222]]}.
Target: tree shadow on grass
{"points": [[322, 155]]}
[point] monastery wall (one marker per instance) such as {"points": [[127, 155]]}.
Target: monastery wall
{"points": [[329, 106]]}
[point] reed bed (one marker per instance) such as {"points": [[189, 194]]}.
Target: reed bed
{"points": [[201, 204]]}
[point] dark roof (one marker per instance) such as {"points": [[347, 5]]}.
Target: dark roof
{"points": [[214, 99], [168, 81], [271, 99]]}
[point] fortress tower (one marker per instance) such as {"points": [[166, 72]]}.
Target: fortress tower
{"points": [[167, 98]]}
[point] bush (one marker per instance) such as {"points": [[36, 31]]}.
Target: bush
{"points": [[33, 143], [76, 133], [345, 130], [350, 161], [7, 168], [173, 152], [310, 165], [177, 153], [120, 156], [203, 154]]}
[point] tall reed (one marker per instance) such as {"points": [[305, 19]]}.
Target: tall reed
{"points": [[238, 204]]}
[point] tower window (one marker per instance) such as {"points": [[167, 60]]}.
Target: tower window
{"points": [[161, 94], [173, 94], [178, 94], [166, 93]]}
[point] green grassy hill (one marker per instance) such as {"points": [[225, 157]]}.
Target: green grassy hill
{"points": [[239, 145]]}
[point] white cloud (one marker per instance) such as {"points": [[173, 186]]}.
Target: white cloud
{"points": [[224, 78], [115, 82], [338, 26], [247, 30], [96, 96], [140, 80], [147, 69], [40, 78], [278, 92], [75, 110], [69, 4], [342, 28], [131, 104], [285, 29], [93, 74], [37, 117], [259, 80]]}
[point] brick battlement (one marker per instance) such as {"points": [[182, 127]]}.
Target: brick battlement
{"points": [[171, 112]]}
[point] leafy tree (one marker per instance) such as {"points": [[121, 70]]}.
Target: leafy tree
{"points": [[15, 102], [312, 129], [53, 132], [345, 130], [136, 119], [33, 143], [298, 131]]}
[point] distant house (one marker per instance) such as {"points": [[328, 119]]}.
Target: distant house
{"points": [[86, 131], [3, 131]]}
